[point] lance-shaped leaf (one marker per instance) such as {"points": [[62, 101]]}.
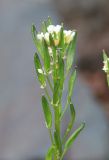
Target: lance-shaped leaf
{"points": [[70, 125], [39, 70], [53, 47], [71, 85], [44, 27], [61, 43], [49, 21], [56, 93], [50, 153], [58, 141], [105, 57], [46, 57], [71, 52], [73, 137], [47, 112], [61, 72], [36, 41]]}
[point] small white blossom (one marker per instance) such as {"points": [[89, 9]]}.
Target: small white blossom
{"points": [[68, 35], [43, 86], [40, 71], [50, 29], [40, 36], [57, 28], [106, 65]]}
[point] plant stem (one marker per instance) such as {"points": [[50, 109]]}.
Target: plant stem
{"points": [[46, 91], [51, 137], [49, 83], [57, 130]]}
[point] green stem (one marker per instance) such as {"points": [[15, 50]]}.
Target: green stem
{"points": [[64, 152], [51, 137], [49, 83], [57, 129], [46, 91]]}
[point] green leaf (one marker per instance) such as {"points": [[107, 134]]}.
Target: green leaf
{"points": [[50, 153], [38, 67], [57, 141], [70, 125], [61, 43], [44, 27], [71, 52], [73, 137], [61, 72], [104, 56], [49, 21], [36, 41], [47, 112], [71, 85], [53, 47], [46, 57], [56, 93]]}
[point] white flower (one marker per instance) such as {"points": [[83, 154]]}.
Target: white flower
{"points": [[40, 71], [43, 86], [68, 35], [50, 29], [57, 28], [106, 65], [40, 36]]}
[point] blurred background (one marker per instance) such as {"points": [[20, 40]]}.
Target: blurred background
{"points": [[22, 129]]}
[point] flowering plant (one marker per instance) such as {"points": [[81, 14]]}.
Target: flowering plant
{"points": [[53, 63]]}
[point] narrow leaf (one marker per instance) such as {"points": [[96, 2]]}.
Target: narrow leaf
{"points": [[73, 137], [61, 72], [49, 21], [46, 57], [70, 125], [47, 112], [104, 56], [61, 43], [50, 153], [56, 93], [71, 52], [38, 67], [44, 27], [35, 40], [71, 85]]}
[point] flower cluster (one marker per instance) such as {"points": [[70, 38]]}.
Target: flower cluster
{"points": [[55, 32]]}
